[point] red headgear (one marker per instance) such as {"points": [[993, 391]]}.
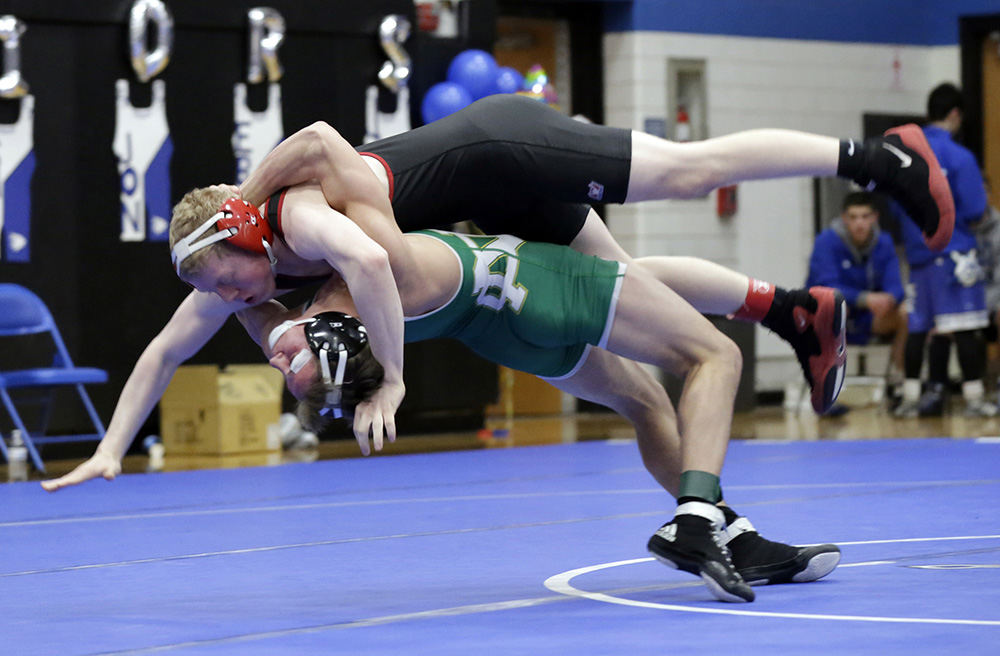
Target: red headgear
{"points": [[252, 231], [238, 222]]}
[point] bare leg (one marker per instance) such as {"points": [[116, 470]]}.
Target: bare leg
{"points": [[666, 169], [628, 389], [714, 289], [595, 239], [653, 324], [894, 324], [709, 287]]}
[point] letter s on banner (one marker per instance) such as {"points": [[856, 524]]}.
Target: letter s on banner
{"points": [[394, 75], [267, 33], [392, 32], [12, 84], [148, 64]]}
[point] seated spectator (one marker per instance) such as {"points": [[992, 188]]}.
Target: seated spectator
{"points": [[854, 256]]}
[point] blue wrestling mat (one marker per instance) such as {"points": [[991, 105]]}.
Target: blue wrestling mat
{"points": [[534, 550]]}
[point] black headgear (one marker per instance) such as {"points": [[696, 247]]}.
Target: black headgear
{"points": [[335, 338]]}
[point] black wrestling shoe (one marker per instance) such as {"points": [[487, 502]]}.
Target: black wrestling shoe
{"points": [[933, 401], [761, 561], [814, 322], [691, 542], [903, 165]]}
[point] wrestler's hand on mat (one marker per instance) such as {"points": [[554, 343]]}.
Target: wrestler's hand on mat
{"points": [[99, 464], [376, 417]]}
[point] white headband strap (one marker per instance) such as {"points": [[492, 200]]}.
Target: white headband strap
{"points": [[281, 329], [324, 365], [270, 256], [300, 360], [341, 366], [333, 394], [187, 245]]}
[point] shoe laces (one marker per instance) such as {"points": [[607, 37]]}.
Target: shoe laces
{"points": [[720, 544]]}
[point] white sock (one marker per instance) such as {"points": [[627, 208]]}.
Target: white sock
{"points": [[972, 391], [911, 390]]}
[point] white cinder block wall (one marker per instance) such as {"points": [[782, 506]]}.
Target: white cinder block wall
{"points": [[816, 86]]}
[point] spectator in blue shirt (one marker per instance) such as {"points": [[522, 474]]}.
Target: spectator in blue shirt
{"points": [[949, 298], [854, 256]]}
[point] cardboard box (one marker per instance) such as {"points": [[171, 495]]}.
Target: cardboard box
{"points": [[270, 375], [207, 411]]}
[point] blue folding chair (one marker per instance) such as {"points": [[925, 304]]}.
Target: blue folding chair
{"points": [[23, 313]]}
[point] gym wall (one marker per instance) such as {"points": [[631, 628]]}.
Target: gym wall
{"points": [[820, 69]]}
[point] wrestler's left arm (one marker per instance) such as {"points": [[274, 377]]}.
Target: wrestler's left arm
{"points": [[312, 154], [315, 231]]}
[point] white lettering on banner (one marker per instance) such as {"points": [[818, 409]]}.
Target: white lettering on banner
{"points": [[255, 134], [143, 146], [17, 165], [495, 289]]}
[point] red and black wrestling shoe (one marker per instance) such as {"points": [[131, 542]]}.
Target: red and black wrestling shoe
{"points": [[903, 165], [814, 322]]}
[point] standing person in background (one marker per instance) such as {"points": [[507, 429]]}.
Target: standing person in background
{"points": [[949, 296], [855, 257], [988, 247]]}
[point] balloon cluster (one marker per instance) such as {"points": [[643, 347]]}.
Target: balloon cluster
{"points": [[475, 74]]}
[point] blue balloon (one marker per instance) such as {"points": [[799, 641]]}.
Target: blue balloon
{"points": [[508, 80], [442, 99], [476, 70]]}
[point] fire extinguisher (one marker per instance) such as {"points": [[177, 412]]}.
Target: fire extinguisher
{"points": [[682, 125], [727, 201]]}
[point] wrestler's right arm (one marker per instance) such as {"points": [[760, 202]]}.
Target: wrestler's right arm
{"points": [[319, 154], [197, 318], [316, 153]]}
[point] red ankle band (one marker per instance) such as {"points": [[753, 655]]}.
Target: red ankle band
{"points": [[760, 294]]}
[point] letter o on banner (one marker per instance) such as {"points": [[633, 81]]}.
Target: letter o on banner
{"points": [[12, 84], [267, 33], [145, 63]]}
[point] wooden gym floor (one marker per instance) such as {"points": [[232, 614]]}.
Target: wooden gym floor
{"points": [[863, 422]]}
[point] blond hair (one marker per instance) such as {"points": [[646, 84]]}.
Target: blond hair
{"points": [[196, 207]]}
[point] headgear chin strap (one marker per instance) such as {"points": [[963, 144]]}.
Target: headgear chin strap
{"points": [[334, 385], [335, 334], [237, 221]]}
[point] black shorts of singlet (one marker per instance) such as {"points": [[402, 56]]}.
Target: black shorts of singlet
{"points": [[510, 164]]}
